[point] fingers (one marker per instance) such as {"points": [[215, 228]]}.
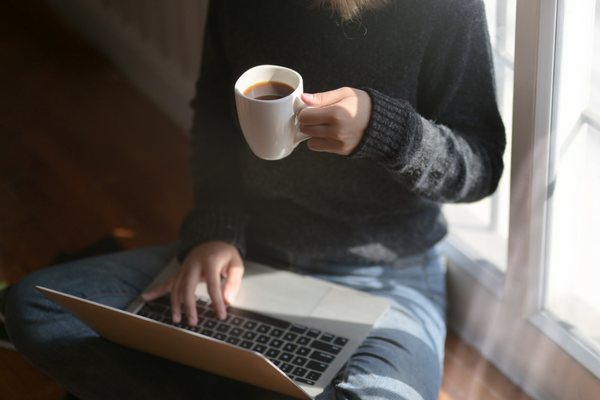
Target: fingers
{"points": [[234, 281], [329, 145], [337, 121], [189, 298], [209, 261], [327, 108], [314, 118], [176, 301], [326, 98], [213, 285]]}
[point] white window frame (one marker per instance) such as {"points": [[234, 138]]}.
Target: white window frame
{"points": [[507, 323], [536, 298]]}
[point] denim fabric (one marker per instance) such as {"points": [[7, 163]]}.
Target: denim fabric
{"points": [[401, 359]]}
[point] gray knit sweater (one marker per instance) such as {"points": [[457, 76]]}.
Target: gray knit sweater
{"points": [[435, 134]]}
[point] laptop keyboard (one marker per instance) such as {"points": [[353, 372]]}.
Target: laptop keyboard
{"points": [[299, 351]]}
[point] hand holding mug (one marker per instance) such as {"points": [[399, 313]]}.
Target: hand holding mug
{"points": [[337, 120], [275, 115], [267, 98]]}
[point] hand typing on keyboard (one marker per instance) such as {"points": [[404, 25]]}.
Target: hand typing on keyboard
{"points": [[212, 262], [301, 352]]}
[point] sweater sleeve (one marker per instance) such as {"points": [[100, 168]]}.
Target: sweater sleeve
{"points": [[448, 146], [218, 212]]}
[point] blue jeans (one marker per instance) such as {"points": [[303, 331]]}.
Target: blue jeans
{"points": [[401, 359]]}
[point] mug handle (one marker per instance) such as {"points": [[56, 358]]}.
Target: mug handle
{"points": [[300, 137]]}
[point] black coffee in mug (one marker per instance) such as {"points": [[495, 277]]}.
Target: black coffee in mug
{"points": [[271, 90]]}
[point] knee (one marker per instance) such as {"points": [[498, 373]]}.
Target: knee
{"points": [[29, 312]]}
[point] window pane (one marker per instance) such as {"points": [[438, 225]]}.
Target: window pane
{"points": [[483, 226], [573, 265]]}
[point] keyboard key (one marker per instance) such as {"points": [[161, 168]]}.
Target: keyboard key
{"points": [[264, 329], [259, 348], [249, 335], [326, 337], [276, 332], [303, 351], [303, 340], [207, 332], [250, 325], [246, 344], [325, 347], [263, 339], [299, 361], [290, 337], [200, 310], [236, 332], [211, 324], [286, 368], [154, 308], [300, 371], [233, 340], [317, 366], [223, 328], [220, 336], [306, 381], [290, 347], [258, 317], [313, 376], [237, 321], [276, 362], [313, 333], [323, 357], [287, 357], [340, 341], [298, 329], [276, 343], [212, 315], [272, 353]]}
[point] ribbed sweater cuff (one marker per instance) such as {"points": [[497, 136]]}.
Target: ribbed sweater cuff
{"points": [[212, 223], [387, 129]]}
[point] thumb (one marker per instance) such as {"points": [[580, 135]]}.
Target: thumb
{"points": [[322, 99]]}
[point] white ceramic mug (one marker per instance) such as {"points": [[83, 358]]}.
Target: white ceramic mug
{"points": [[270, 126]]}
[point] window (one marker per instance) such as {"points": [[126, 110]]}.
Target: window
{"points": [[533, 308], [569, 299]]}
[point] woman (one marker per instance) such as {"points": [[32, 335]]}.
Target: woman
{"points": [[404, 119]]}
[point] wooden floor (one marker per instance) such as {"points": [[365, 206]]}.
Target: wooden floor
{"points": [[84, 156]]}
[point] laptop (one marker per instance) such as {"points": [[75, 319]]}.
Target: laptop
{"points": [[285, 332]]}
